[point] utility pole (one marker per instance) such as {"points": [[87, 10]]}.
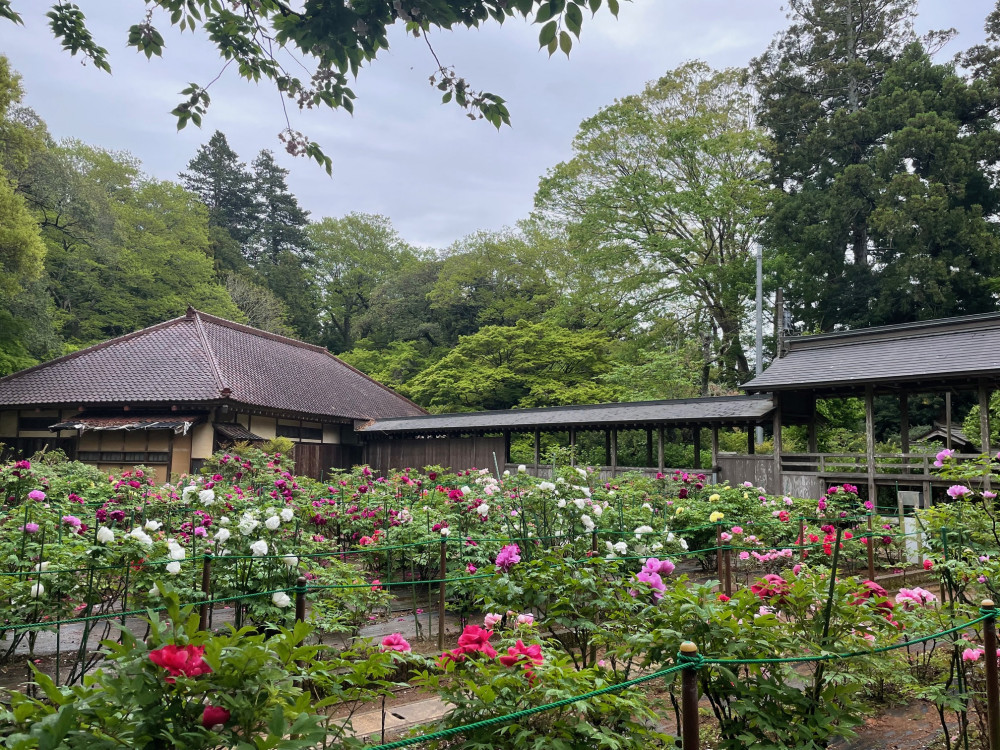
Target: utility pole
{"points": [[759, 365]]}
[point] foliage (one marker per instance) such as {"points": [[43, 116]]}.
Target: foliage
{"points": [[335, 41], [660, 206]]}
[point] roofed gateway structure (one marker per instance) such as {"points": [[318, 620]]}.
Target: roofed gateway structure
{"points": [[169, 395], [956, 357]]}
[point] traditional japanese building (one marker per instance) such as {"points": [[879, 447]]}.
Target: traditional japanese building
{"points": [[169, 395]]}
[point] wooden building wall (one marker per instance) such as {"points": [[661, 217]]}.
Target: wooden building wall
{"points": [[457, 454]]}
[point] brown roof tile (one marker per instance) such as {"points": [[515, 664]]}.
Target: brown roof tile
{"points": [[199, 357]]}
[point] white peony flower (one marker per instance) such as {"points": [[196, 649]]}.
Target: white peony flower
{"points": [[647, 506], [621, 547], [546, 486], [655, 546], [224, 521], [598, 511], [173, 568], [588, 524], [290, 561], [445, 531], [483, 510], [222, 536], [154, 592], [175, 551], [642, 530], [612, 493], [247, 525], [521, 469], [561, 503], [258, 548], [585, 491], [152, 526], [581, 472], [36, 591], [506, 472], [580, 503], [207, 497], [287, 515], [42, 567], [188, 491], [105, 535], [281, 599], [272, 523], [684, 544], [141, 536], [466, 490], [560, 480]]}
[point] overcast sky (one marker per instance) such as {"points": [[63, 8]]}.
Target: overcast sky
{"points": [[436, 174]]}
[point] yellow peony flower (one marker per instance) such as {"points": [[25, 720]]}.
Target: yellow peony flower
{"points": [[713, 498], [716, 516], [678, 511]]}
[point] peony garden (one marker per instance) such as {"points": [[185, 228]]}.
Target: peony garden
{"points": [[249, 607]]}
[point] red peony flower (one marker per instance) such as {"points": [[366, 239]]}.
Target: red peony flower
{"points": [[475, 638], [519, 652], [771, 586], [181, 660], [213, 715]]}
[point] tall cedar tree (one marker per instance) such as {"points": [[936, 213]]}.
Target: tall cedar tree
{"points": [[225, 185], [885, 208]]}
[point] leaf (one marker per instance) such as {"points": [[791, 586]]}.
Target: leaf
{"points": [[547, 35], [613, 7], [565, 42], [574, 19]]}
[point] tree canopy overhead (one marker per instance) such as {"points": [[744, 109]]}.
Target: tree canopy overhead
{"points": [[329, 41]]}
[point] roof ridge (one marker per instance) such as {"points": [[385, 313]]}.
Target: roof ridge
{"points": [[93, 348], [258, 332], [566, 407], [209, 351], [912, 329]]}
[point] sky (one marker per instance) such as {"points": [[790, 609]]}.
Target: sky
{"points": [[437, 175]]}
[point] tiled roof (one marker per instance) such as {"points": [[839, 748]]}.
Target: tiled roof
{"points": [[232, 431], [202, 358], [686, 411], [949, 349]]}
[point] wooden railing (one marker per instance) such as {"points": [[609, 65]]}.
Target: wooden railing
{"points": [[886, 464]]}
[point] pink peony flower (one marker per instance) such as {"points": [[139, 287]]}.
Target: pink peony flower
{"points": [[492, 620], [508, 557], [395, 642]]}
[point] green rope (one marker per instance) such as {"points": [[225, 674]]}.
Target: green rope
{"points": [[452, 731]]}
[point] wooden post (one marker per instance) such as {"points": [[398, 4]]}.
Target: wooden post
{"points": [[572, 446], [871, 546], [649, 447], [870, 442], [442, 574], [715, 452], [727, 580], [992, 684], [659, 449], [984, 418], [614, 451], [300, 599], [779, 485], [538, 451], [718, 550], [206, 585], [689, 698], [947, 419], [607, 447], [802, 537], [506, 446], [697, 446], [750, 443], [904, 428]]}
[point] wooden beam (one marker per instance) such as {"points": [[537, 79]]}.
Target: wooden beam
{"points": [[506, 446], [715, 447], [572, 446], [607, 447], [776, 429], [870, 441], [649, 447], [750, 443], [947, 419], [696, 434], [904, 421], [659, 449], [538, 451], [614, 451]]}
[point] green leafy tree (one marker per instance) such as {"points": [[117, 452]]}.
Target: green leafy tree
{"points": [[660, 206], [392, 366], [886, 210], [262, 308], [330, 41], [659, 374], [225, 185], [524, 365], [280, 221], [497, 277], [353, 255]]}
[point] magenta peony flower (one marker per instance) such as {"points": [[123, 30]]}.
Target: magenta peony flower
{"points": [[395, 642], [508, 557]]}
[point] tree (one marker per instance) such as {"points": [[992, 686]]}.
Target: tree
{"points": [[333, 40], [499, 277], [886, 208], [225, 185], [525, 365], [280, 221], [262, 308], [353, 255], [660, 207]]}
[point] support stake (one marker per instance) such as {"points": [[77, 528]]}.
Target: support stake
{"points": [[443, 573], [689, 698], [992, 683], [206, 586]]}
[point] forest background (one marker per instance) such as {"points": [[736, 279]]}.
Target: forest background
{"points": [[859, 157]]}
